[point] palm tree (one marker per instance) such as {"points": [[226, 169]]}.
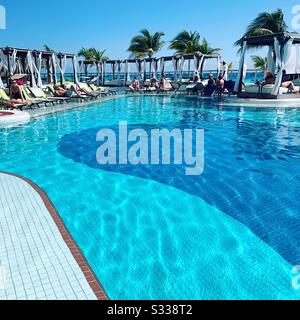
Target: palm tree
{"points": [[85, 53], [47, 48], [93, 55], [266, 23], [146, 44], [260, 62], [186, 43], [206, 49]]}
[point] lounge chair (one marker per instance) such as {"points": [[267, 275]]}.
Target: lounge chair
{"points": [[38, 93], [4, 96], [182, 89], [29, 97], [102, 90]]}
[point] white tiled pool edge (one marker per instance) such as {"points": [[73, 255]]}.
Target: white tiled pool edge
{"points": [[35, 261]]}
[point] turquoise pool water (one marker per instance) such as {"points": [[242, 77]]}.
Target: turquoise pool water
{"points": [[155, 233]]}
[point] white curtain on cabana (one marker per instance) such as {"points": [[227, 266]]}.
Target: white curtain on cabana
{"points": [[154, 68], [225, 70], [174, 60], [144, 70], [30, 68], [99, 72], [127, 71], [37, 69], [13, 62], [138, 68], [62, 67], [270, 60], [219, 65], [74, 62], [119, 68], [281, 62], [181, 65], [242, 61], [1, 67], [53, 62], [200, 65], [162, 67], [103, 71], [293, 64], [196, 71]]}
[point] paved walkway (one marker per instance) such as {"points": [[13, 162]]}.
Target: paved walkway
{"points": [[38, 258]]}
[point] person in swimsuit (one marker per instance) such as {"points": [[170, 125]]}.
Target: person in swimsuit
{"points": [[16, 94], [285, 83], [135, 85]]}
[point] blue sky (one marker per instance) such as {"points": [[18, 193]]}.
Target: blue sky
{"points": [[68, 25]]}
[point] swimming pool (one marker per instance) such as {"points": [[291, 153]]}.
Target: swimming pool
{"points": [[155, 233]]}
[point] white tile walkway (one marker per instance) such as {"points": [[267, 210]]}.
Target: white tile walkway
{"points": [[35, 262]]}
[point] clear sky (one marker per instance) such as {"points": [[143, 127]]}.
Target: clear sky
{"points": [[68, 25]]}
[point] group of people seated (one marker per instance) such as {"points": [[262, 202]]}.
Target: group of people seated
{"points": [[285, 81], [194, 86], [161, 85]]}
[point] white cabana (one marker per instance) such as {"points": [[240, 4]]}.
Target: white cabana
{"points": [[283, 55]]}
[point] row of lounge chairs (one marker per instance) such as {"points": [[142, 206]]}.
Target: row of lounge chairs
{"points": [[178, 88], [38, 97]]}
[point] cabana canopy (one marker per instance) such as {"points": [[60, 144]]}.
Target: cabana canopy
{"points": [[156, 65], [283, 54], [26, 61]]}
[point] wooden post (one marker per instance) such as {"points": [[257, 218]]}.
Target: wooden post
{"points": [[86, 70], [80, 70], [61, 76], [104, 74], [54, 73], [74, 71], [50, 78]]}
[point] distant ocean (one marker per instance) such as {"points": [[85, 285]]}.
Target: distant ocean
{"points": [[251, 77]]}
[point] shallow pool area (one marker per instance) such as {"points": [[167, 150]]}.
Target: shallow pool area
{"points": [[151, 232]]}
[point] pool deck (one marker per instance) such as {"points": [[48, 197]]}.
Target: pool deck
{"points": [[39, 260]]}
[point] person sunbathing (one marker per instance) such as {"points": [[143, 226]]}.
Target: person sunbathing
{"points": [[154, 84], [16, 94], [163, 85], [135, 85], [65, 92], [285, 83], [60, 92]]}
